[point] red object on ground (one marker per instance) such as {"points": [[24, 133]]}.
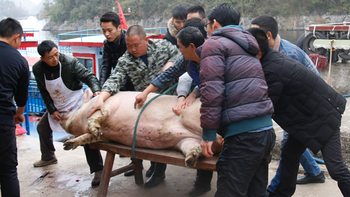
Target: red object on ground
{"points": [[20, 130], [320, 59]]}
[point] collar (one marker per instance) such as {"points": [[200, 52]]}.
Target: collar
{"points": [[229, 26], [172, 29]]}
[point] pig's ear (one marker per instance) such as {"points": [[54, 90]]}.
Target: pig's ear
{"points": [[87, 95]]}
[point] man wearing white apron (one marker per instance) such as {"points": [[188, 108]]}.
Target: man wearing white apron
{"points": [[60, 78]]}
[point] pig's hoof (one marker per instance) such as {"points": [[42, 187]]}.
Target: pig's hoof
{"points": [[70, 144], [192, 157]]}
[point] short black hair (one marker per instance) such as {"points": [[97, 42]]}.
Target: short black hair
{"points": [[46, 46], [9, 27], [224, 14], [197, 22], [136, 30], [195, 9], [190, 35], [267, 23], [180, 12], [261, 38], [110, 17]]}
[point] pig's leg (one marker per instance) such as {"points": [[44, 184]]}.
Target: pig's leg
{"points": [[87, 138], [192, 150], [94, 122]]}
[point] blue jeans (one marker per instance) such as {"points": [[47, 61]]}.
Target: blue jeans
{"points": [[306, 160]]}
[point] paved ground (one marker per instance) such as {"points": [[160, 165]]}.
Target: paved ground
{"points": [[70, 177]]}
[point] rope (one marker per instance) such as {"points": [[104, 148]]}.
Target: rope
{"points": [[138, 118]]}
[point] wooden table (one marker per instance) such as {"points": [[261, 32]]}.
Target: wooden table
{"points": [[167, 156]]}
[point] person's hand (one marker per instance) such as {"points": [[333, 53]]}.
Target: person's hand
{"points": [[177, 108], [56, 115], [189, 100], [96, 93], [97, 105], [140, 99], [206, 148], [19, 118]]}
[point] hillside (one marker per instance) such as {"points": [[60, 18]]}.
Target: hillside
{"points": [[74, 10]]}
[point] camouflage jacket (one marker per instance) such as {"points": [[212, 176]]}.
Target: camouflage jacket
{"points": [[159, 52]]}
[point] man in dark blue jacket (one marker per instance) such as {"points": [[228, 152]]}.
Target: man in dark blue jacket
{"points": [[309, 110], [14, 80]]}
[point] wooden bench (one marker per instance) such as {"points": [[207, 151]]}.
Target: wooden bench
{"points": [[167, 156]]}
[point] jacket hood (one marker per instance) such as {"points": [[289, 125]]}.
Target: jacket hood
{"points": [[243, 38], [172, 29]]}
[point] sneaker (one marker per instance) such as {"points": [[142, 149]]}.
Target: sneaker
{"points": [[43, 163], [97, 178], [311, 179]]}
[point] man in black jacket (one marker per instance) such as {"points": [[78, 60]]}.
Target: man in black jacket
{"points": [[60, 81], [176, 23], [309, 110], [14, 80], [113, 47]]}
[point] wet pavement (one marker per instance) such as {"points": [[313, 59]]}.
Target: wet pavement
{"points": [[70, 177]]}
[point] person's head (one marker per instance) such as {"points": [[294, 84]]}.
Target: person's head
{"points": [[197, 22], [269, 25], [110, 24], [261, 38], [179, 13], [196, 11], [188, 40], [222, 15], [11, 32], [48, 51], [136, 41]]}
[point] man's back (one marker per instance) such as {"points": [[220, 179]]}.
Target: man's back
{"points": [[14, 81]]}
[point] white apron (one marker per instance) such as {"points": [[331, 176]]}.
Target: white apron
{"points": [[64, 99]]}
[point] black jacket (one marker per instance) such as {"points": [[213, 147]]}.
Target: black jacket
{"points": [[73, 76], [305, 106], [112, 51], [14, 80], [170, 38]]}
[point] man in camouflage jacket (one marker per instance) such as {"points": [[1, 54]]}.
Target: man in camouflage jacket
{"points": [[144, 60]]}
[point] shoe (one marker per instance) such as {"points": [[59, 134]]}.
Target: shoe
{"points": [[97, 178], [43, 163], [129, 173], [150, 170], [197, 191], [311, 179], [270, 194], [158, 175]]}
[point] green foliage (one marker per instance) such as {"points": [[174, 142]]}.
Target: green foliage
{"points": [[9, 9], [73, 10]]}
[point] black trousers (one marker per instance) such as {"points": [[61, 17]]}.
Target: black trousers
{"points": [[333, 159], [8, 162], [243, 164], [47, 148]]}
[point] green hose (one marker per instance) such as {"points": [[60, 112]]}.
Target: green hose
{"points": [[138, 118]]}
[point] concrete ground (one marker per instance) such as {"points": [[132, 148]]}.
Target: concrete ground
{"points": [[71, 177]]}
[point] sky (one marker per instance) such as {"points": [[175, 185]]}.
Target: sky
{"points": [[36, 1]]}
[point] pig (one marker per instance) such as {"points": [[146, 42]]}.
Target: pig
{"points": [[158, 127]]}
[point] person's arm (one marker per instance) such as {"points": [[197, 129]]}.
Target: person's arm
{"points": [[105, 69], [19, 117], [99, 103], [167, 65], [212, 71], [182, 90], [113, 83], [86, 76], [141, 98]]}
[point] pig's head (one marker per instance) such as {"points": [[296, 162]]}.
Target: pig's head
{"points": [[75, 122]]}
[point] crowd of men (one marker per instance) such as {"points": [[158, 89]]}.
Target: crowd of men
{"points": [[244, 80]]}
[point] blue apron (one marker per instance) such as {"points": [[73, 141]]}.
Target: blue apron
{"points": [[194, 75]]}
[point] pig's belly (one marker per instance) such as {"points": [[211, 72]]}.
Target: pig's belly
{"points": [[150, 137]]}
